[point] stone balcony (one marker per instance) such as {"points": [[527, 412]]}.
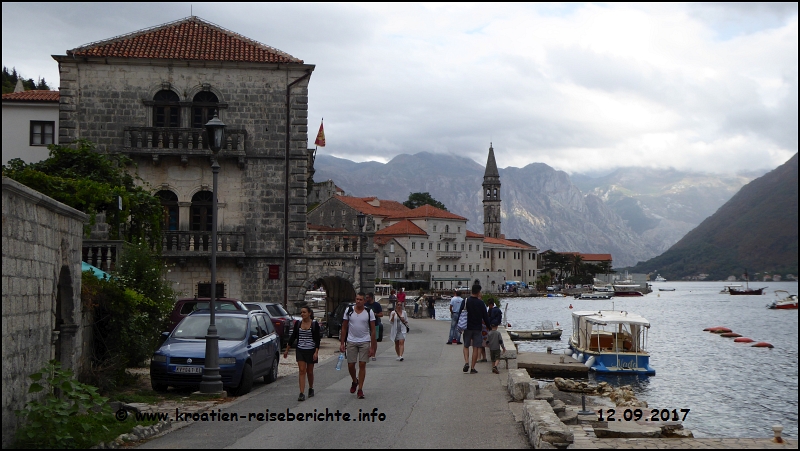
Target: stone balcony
{"points": [[441, 255], [447, 236], [183, 244], [393, 266], [102, 254], [158, 142]]}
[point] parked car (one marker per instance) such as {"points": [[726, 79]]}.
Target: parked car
{"points": [[335, 319], [248, 349], [184, 307], [281, 319]]}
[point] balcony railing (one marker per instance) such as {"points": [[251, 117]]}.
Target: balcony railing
{"points": [[103, 254], [447, 236], [447, 254], [183, 142], [196, 243], [393, 266], [330, 241]]}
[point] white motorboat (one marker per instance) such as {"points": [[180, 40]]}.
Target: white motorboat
{"points": [[659, 278], [611, 342]]}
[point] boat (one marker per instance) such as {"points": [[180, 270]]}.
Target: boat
{"points": [[785, 301], [666, 289], [611, 342], [727, 288], [595, 295], [659, 278], [627, 290], [546, 331], [747, 291]]}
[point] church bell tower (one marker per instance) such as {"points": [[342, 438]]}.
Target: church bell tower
{"points": [[491, 198]]}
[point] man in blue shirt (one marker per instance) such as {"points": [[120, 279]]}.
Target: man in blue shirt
{"points": [[476, 313]]}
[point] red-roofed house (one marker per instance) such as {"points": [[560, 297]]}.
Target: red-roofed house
{"points": [[30, 124], [148, 94]]}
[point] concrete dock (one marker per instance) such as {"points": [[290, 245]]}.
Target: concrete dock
{"points": [[542, 364]]}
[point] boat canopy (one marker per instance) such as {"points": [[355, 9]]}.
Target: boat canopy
{"points": [[614, 317]]}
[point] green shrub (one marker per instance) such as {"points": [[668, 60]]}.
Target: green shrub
{"points": [[71, 415]]}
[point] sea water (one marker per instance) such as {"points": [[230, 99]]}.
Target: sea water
{"points": [[732, 389]]}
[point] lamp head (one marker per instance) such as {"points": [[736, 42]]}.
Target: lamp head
{"points": [[362, 219], [216, 133]]}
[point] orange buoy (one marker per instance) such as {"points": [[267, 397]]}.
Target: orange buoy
{"points": [[570, 306], [730, 335], [743, 340], [721, 330], [717, 329], [763, 344]]}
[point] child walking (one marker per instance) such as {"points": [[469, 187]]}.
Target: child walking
{"points": [[495, 342]]}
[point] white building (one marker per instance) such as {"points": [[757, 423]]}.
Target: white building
{"points": [[30, 124]]}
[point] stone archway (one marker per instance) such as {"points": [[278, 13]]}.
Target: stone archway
{"points": [[339, 287]]}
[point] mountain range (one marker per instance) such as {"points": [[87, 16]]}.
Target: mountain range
{"points": [[634, 213], [755, 230]]}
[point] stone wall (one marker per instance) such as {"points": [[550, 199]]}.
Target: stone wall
{"points": [[42, 313]]}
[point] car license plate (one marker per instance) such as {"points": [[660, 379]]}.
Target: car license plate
{"points": [[189, 369]]}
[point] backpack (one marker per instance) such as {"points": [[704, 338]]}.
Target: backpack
{"points": [[378, 326]]}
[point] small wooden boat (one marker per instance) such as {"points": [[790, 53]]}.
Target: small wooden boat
{"points": [[594, 296], [546, 331], [747, 291], [666, 289]]}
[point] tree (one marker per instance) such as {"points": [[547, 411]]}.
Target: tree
{"points": [[92, 182], [419, 199]]}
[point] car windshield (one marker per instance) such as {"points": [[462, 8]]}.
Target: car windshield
{"points": [[228, 328], [276, 310]]}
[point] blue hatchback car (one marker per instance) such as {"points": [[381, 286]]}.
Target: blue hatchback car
{"points": [[248, 348]]}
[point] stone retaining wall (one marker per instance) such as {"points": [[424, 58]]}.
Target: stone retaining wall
{"points": [[42, 314]]}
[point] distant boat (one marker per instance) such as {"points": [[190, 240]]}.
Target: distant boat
{"points": [[545, 331], [727, 288], [660, 279], [747, 290], [666, 289], [627, 290], [602, 295], [785, 301]]}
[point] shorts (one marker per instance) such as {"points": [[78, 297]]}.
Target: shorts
{"points": [[472, 338], [305, 355], [357, 352], [495, 353]]}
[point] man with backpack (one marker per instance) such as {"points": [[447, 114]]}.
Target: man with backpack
{"points": [[476, 313], [358, 339]]}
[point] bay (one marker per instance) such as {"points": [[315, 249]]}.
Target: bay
{"points": [[732, 389]]}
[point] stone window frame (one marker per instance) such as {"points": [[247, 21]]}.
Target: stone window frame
{"points": [[184, 102]]}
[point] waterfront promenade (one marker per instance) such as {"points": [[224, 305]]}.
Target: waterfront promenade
{"points": [[427, 402]]}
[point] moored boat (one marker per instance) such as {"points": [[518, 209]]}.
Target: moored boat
{"points": [[611, 342], [659, 278], [785, 301], [604, 295], [535, 334], [747, 291], [666, 289], [727, 288], [627, 290]]}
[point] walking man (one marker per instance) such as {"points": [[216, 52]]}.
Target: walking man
{"points": [[378, 311], [476, 314], [358, 328], [455, 307]]}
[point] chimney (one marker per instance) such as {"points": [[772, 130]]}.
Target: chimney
{"points": [[19, 87]]}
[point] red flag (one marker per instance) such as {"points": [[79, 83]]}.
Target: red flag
{"points": [[320, 137]]}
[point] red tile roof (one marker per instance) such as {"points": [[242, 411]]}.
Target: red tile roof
{"points": [[189, 39], [32, 96], [504, 242], [386, 207], [404, 227], [473, 235], [427, 211], [590, 257]]}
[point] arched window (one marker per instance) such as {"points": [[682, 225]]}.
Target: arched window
{"points": [[169, 204], [201, 211], [447, 229], [495, 193], [166, 109], [204, 105]]}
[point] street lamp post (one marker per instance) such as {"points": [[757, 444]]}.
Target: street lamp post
{"points": [[212, 380], [362, 219]]}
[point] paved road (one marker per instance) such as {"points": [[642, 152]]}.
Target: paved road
{"points": [[427, 401]]}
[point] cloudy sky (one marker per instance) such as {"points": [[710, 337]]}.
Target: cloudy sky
{"points": [[581, 87]]}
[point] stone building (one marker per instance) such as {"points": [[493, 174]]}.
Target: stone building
{"points": [[148, 94], [42, 314]]}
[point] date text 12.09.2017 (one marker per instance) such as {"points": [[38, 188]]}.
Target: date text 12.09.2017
{"points": [[643, 415]]}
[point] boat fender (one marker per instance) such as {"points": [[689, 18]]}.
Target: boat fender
{"points": [[570, 306], [589, 362], [730, 335], [743, 340], [575, 356], [580, 357], [716, 328], [567, 352], [763, 344], [721, 330]]}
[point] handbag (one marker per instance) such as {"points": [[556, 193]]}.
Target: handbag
{"points": [[462, 318]]}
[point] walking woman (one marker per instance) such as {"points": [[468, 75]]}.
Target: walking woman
{"points": [[307, 334], [399, 321]]}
